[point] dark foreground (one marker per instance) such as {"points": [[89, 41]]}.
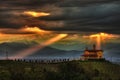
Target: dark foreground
{"points": [[74, 70]]}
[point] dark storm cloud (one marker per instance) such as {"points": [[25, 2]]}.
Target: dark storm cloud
{"points": [[70, 15], [25, 4], [76, 3], [99, 18], [11, 12]]}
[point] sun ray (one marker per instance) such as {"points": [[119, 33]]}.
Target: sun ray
{"points": [[100, 38], [32, 50]]}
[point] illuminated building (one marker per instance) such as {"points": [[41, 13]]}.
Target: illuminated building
{"points": [[92, 54]]}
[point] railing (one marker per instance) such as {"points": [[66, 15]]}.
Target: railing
{"points": [[42, 59], [54, 59]]}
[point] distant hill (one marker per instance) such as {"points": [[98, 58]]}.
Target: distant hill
{"points": [[52, 52], [15, 47], [110, 50]]}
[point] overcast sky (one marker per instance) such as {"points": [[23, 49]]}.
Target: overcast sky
{"points": [[66, 15]]}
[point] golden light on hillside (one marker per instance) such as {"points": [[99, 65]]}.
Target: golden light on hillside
{"points": [[36, 14], [54, 39], [32, 50]]}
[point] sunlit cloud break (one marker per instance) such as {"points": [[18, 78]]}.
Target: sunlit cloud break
{"points": [[9, 34], [35, 14], [34, 30], [101, 37], [24, 30]]}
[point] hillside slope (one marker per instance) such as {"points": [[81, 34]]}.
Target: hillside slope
{"points": [[15, 47], [52, 52], [75, 70]]}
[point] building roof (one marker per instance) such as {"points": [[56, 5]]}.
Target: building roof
{"points": [[94, 50]]}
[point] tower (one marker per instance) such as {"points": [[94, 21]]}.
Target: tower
{"points": [[94, 47]]}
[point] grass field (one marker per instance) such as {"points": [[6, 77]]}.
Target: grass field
{"points": [[73, 70]]}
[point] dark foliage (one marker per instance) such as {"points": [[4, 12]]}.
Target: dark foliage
{"points": [[74, 70]]}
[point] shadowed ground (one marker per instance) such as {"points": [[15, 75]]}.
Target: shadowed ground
{"points": [[73, 70]]}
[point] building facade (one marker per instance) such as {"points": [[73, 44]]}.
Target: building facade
{"points": [[92, 53]]}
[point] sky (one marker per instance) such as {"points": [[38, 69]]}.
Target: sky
{"points": [[39, 20], [70, 15]]}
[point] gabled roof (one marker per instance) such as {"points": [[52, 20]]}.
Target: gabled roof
{"points": [[94, 50]]}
